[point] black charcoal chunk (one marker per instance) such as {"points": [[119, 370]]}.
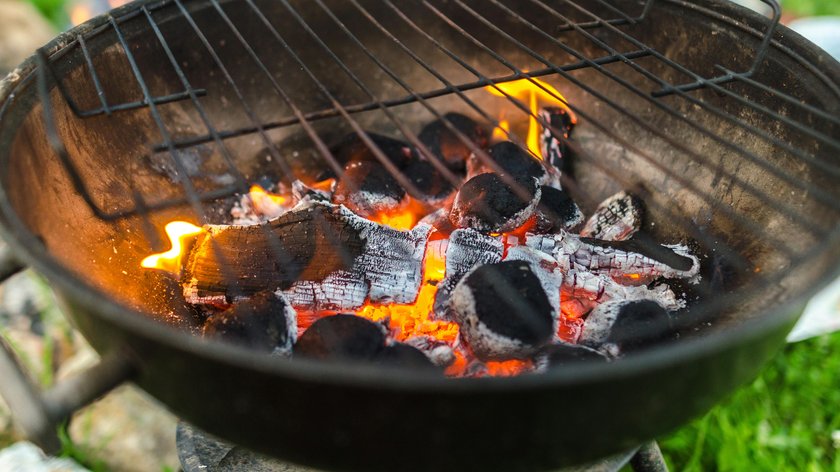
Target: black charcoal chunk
{"points": [[616, 218], [428, 180], [405, 356], [447, 146], [352, 149], [367, 188], [341, 337], [563, 354], [487, 203], [503, 311], [513, 161], [263, 321], [557, 211], [623, 326]]}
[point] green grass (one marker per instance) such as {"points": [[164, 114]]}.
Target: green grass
{"points": [[811, 7], [783, 421]]}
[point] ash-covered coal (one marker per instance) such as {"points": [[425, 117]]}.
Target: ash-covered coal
{"points": [[617, 327], [554, 138], [367, 189], [616, 219], [264, 321], [405, 356], [503, 311], [512, 161], [557, 211], [353, 149], [487, 203], [563, 354]]}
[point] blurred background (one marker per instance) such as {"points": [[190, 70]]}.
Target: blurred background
{"points": [[787, 419]]}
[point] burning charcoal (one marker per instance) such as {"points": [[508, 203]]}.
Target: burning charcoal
{"points": [[513, 161], [563, 354], [428, 180], [487, 203], [628, 262], [446, 145], [621, 326], [440, 353], [590, 289], [322, 255], [403, 355], [616, 218], [554, 147], [353, 149], [346, 337], [557, 211], [466, 249], [503, 311], [264, 321], [367, 189]]}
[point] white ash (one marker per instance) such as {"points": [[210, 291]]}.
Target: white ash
{"points": [[581, 284], [629, 267], [440, 353], [340, 290], [542, 362], [371, 202], [393, 262], [643, 322], [616, 219], [547, 271], [468, 248]]}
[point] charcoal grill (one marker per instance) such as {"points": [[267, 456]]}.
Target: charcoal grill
{"points": [[725, 122]]}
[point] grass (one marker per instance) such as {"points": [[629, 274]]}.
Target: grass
{"points": [[811, 7], [785, 420]]}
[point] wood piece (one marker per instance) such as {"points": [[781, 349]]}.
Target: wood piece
{"points": [[627, 262], [487, 203], [616, 219], [321, 256], [503, 311], [446, 145], [553, 146], [264, 321], [341, 337]]}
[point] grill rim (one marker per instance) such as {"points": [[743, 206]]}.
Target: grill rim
{"points": [[14, 231]]}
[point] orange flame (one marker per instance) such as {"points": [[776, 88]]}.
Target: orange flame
{"points": [[500, 133], [265, 203], [170, 261], [413, 319], [534, 90]]}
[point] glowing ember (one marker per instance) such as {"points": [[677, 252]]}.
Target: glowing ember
{"points": [[533, 90], [268, 204], [402, 220], [170, 261], [508, 368], [409, 320]]}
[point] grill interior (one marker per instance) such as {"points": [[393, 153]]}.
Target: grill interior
{"points": [[170, 109]]}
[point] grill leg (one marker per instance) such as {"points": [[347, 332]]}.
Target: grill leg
{"points": [[649, 459]]}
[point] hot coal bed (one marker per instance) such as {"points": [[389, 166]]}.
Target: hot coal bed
{"points": [[464, 256]]}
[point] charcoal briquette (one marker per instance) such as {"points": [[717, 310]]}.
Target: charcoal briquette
{"points": [[623, 326], [562, 354], [367, 188], [352, 149], [487, 203], [557, 211], [503, 311], [341, 337], [405, 356], [446, 145], [512, 160], [263, 321]]}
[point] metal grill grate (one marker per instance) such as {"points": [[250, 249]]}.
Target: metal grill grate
{"points": [[609, 26]]}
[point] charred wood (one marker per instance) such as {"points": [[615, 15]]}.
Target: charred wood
{"points": [[616, 219]]}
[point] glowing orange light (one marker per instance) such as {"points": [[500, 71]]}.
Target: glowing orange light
{"points": [[117, 3], [267, 203], [500, 133], [533, 90], [170, 261], [508, 368], [325, 185], [634, 276], [403, 220], [80, 13], [413, 319]]}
